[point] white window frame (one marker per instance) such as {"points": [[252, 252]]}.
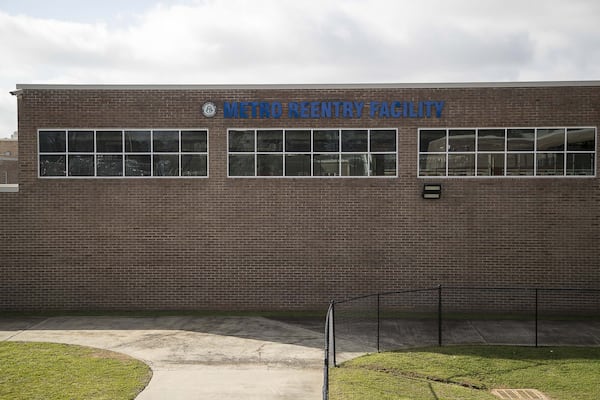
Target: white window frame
{"points": [[506, 152], [312, 153], [122, 153]]}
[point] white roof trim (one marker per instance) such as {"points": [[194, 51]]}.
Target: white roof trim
{"points": [[449, 85]]}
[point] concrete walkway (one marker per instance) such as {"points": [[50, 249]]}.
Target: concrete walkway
{"points": [[197, 357]]}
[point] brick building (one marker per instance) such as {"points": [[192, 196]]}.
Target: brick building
{"points": [[284, 196], [9, 156]]}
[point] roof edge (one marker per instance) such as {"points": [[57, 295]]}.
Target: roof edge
{"points": [[447, 85]]}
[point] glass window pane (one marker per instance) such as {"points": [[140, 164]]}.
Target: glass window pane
{"points": [[165, 141], [269, 140], [520, 139], [137, 141], [490, 140], [137, 165], [583, 139], [81, 141], [166, 165], [109, 165], [297, 165], [461, 140], [550, 139], [241, 165], [269, 165], [194, 165], [580, 163], [81, 165], [432, 165], [550, 164], [490, 164], [194, 141], [383, 165], [461, 164], [383, 140], [53, 166], [53, 141], [326, 140], [354, 165], [326, 165], [241, 141], [297, 141], [432, 140], [109, 141], [354, 141], [519, 164]]}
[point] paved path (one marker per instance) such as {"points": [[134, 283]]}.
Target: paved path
{"points": [[197, 357]]}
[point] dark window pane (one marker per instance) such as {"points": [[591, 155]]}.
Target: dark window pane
{"points": [[383, 165], [550, 164], [583, 139], [520, 139], [269, 141], [383, 140], [109, 142], [194, 141], [490, 140], [490, 164], [354, 165], [53, 142], [354, 141], [52, 166], [550, 139], [81, 165], [241, 141], [241, 165], [81, 141], [193, 165], [269, 165], [166, 165], [326, 140], [137, 141], [519, 164], [297, 141], [432, 165], [137, 165], [432, 141], [297, 165], [109, 165], [461, 164], [580, 164], [165, 141], [326, 165], [460, 140]]}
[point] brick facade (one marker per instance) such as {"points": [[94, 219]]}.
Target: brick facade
{"points": [[9, 155], [282, 244]]}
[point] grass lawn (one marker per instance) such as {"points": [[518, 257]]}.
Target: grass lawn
{"points": [[55, 371], [469, 373]]}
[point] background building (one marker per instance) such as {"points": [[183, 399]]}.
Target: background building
{"points": [[9, 156], [285, 196]]}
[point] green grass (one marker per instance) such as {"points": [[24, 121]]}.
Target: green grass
{"points": [[55, 371], [469, 373]]}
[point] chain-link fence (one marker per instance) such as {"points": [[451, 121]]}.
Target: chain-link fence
{"points": [[460, 315]]}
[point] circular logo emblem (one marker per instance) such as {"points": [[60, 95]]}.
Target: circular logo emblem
{"points": [[209, 109]]}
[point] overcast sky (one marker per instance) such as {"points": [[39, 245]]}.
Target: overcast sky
{"points": [[279, 41]]}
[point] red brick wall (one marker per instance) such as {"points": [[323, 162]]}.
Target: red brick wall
{"points": [[270, 244]]}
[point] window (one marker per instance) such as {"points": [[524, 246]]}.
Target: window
{"points": [[312, 153], [111, 153], [488, 152]]}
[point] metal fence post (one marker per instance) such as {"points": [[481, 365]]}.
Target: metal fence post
{"points": [[378, 321], [333, 333], [536, 317], [440, 315], [326, 358]]}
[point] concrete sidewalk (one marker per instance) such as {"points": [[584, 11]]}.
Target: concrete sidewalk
{"points": [[197, 357]]}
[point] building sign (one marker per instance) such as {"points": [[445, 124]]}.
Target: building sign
{"points": [[333, 109]]}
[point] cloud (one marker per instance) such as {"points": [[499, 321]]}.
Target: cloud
{"points": [[314, 41]]}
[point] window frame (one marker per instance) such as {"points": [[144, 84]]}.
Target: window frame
{"points": [[123, 153], [506, 152], [312, 153]]}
